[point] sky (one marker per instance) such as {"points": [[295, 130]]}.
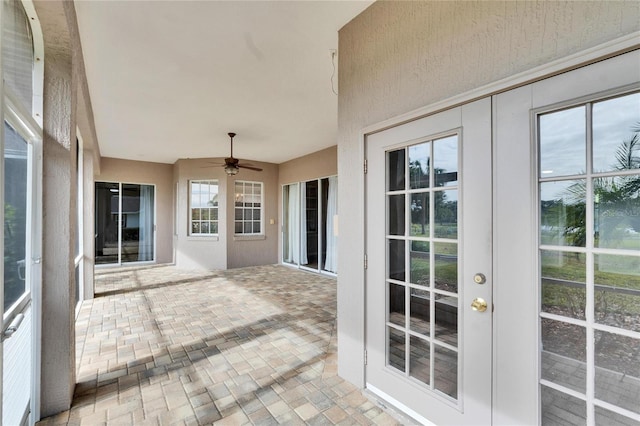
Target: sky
{"points": [[563, 136]]}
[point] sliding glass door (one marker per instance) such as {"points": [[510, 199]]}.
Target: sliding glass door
{"points": [[125, 223], [309, 216]]}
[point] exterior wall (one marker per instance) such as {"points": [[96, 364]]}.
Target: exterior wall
{"points": [[225, 250], [316, 165], [396, 57], [65, 108], [160, 175]]}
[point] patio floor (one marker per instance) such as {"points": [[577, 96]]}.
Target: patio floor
{"points": [[159, 345]]}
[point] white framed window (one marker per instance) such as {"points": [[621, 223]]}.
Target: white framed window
{"points": [[248, 208], [203, 207]]}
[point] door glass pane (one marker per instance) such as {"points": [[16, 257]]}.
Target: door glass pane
{"points": [[445, 161], [15, 215], [561, 409], [617, 291], [564, 349], [563, 213], [447, 319], [609, 418], [563, 143], [396, 260], [420, 263], [433, 213], [397, 349], [563, 277], [107, 210], [396, 304], [395, 170], [420, 311], [446, 266], [615, 134], [617, 211], [420, 214], [419, 164], [396, 214], [309, 245], [419, 359], [617, 370], [445, 223], [446, 371], [138, 222]]}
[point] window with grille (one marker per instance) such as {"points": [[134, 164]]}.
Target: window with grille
{"points": [[203, 207], [248, 208]]}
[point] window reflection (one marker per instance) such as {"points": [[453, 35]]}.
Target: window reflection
{"points": [[562, 213], [617, 291], [617, 212], [419, 163], [604, 262], [616, 123], [15, 215], [445, 165], [563, 142]]}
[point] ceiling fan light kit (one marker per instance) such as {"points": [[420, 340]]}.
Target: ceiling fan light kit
{"points": [[231, 170]]}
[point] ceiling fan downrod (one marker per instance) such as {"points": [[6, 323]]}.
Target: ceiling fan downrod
{"points": [[231, 135]]}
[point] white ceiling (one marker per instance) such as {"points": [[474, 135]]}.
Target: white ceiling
{"points": [[170, 79]]}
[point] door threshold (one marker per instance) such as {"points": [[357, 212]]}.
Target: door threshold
{"points": [[404, 414]]}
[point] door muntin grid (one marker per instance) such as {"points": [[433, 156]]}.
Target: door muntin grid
{"points": [[422, 295], [589, 260]]}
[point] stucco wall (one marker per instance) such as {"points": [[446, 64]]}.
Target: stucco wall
{"points": [[160, 175], [225, 250], [399, 56], [315, 165]]}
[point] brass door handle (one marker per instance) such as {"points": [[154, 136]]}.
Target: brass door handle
{"points": [[479, 304]]}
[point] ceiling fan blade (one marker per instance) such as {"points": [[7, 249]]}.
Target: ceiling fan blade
{"points": [[245, 166]]}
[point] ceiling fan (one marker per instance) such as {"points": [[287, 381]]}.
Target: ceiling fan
{"points": [[232, 165]]}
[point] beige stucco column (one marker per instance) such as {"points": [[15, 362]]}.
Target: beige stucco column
{"points": [[59, 208]]}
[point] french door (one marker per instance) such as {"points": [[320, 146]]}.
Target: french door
{"points": [[429, 281], [585, 171], [538, 220]]}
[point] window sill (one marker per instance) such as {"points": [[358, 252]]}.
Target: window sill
{"points": [[249, 237], [207, 238]]}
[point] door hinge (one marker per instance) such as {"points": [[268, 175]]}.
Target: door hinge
{"points": [[366, 166], [365, 357], [366, 262]]}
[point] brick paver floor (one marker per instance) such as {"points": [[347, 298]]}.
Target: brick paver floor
{"points": [[254, 345]]}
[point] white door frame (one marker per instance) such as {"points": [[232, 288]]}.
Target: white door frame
{"points": [[501, 398]]}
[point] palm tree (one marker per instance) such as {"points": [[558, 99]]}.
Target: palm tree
{"points": [[617, 195]]}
